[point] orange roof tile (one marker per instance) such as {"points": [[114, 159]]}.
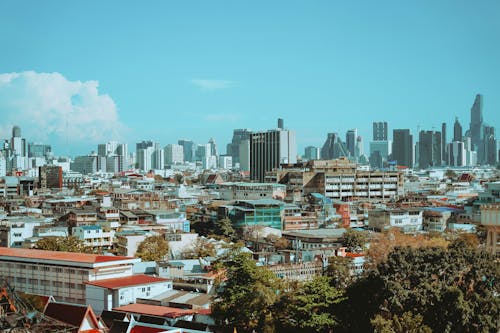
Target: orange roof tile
{"points": [[154, 310], [133, 280], [59, 255]]}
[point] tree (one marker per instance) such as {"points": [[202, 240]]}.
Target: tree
{"points": [[224, 227], [307, 308], [353, 239], [152, 248], [339, 270], [406, 323], [65, 244], [455, 290], [244, 300], [201, 248]]}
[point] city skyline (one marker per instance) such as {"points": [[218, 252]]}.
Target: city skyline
{"points": [[174, 73]]}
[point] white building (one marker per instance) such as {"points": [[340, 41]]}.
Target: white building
{"points": [[408, 220], [174, 154], [94, 236], [61, 274], [251, 191], [225, 162]]}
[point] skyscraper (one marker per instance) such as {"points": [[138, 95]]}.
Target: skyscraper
{"points": [[270, 149], [311, 153], [490, 145], [456, 154], [233, 148], [457, 131], [380, 131], [174, 154], [333, 147], [476, 126], [350, 140], [402, 147], [443, 142], [429, 149], [189, 149]]}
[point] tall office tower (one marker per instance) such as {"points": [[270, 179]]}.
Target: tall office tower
{"points": [[429, 149], [213, 147], [3, 164], [174, 154], [270, 149], [115, 154], [311, 153], [350, 140], [457, 131], [204, 155], [443, 143], [85, 165], [225, 162], [490, 145], [144, 155], [18, 150], [189, 149], [358, 149], [379, 153], [456, 154], [333, 147], [402, 147], [233, 148], [380, 131], [39, 150], [244, 155], [281, 123], [476, 126]]}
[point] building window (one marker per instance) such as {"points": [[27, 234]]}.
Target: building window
{"points": [[17, 235]]}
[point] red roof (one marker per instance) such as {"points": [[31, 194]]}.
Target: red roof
{"points": [[59, 255], [127, 281], [354, 255], [154, 310], [146, 329]]}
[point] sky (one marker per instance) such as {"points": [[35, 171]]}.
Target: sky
{"points": [[77, 73]]}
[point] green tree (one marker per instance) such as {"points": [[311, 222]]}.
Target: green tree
{"points": [[455, 290], [201, 248], [406, 323], [245, 298], [65, 244], [339, 270], [224, 227], [153, 248], [307, 307], [353, 239]]}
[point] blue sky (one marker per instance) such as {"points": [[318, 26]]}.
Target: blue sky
{"points": [[163, 70]]}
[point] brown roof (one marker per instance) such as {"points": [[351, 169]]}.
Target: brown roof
{"points": [[133, 280], [70, 314], [59, 255]]}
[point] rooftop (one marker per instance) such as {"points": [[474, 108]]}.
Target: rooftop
{"points": [[154, 310], [127, 281], [59, 256]]}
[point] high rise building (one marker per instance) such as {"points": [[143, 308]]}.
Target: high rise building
{"points": [[476, 126], [456, 154], [244, 155], [281, 123], [457, 131], [39, 150], [239, 135], [443, 143], [115, 154], [358, 150], [50, 176], [380, 131], [489, 145], [311, 153], [333, 148], [189, 149], [379, 153], [269, 149], [174, 154], [350, 139], [18, 152], [149, 156], [429, 149], [402, 147]]}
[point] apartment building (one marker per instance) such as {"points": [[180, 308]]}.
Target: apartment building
{"points": [[408, 220], [61, 274]]}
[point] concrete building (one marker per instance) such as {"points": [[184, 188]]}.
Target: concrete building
{"points": [[249, 213], [174, 154], [225, 162], [50, 176], [380, 130], [490, 217], [379, 153], [251, 191], [456, 154], [188, 149], [233, 148], [408, 220], [94, 236], [333, 148], [429, 146], [269, 150], [61, 274], [311, 153]]}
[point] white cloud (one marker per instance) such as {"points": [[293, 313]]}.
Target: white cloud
{"points": [[48, 104], [206, 84]]}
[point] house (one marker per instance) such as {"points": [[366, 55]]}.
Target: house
{"points": [[106, 294], [82, 318], [408, 220]]}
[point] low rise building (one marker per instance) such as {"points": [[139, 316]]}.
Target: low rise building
{"points": [[408, 220], [490, 217], [251, 191]]}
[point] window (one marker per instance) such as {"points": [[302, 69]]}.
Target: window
{"points": [[57, 284], [46, 268], [17, 235], [21, 280], [58, 270], [32, 281]]}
